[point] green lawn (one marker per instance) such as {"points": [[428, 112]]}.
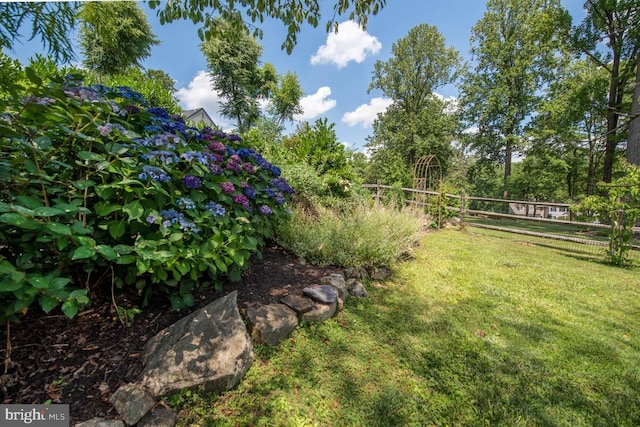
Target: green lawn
{"points": [[475, 330]]}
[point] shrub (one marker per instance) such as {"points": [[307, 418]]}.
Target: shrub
{"points": [[355, 235], [95, 188]]}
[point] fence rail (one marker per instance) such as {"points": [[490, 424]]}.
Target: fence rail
{"points": [[475, 217]]}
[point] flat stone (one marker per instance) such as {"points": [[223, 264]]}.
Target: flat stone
{"points": [[299, 303], [270, 324], [321, 312], [100, 422], [158, 417], [132, 402], [326, 294]]}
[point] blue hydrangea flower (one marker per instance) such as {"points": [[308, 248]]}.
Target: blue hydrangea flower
{"points": [[154, 173], [186, 203], [215, 208], [151, 219]]}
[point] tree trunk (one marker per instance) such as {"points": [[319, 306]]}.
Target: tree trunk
{"points": [[508, 152], [612, 126], [633, 141]]}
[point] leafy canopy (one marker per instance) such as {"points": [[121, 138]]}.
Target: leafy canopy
{"points": [[293, 14], [114, 36]]}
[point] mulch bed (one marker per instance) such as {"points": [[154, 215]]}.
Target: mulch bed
{"points": [[84, 360]]}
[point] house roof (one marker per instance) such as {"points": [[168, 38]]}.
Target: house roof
{"points": [[199, 115]]}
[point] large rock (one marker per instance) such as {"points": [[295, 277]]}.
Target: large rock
{"points": [[271, 323], [210, 347]]}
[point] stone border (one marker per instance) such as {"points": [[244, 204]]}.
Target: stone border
{"points": [[268, 325]]}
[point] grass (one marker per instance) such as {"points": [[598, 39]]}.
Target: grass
{"points": [[476, 330]]}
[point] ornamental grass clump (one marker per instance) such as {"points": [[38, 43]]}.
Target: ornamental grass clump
{"points": [[97, 189]]}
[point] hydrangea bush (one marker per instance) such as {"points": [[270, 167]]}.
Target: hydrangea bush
{"points": [[98, 189]]}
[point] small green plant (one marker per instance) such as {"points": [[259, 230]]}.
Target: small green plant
{"points": [[619, 206], [351, 234]]}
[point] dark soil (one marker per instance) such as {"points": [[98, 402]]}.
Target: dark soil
{"points": [[84, 360]]}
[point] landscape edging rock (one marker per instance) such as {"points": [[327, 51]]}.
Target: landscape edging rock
{"points": [[304, 307]]}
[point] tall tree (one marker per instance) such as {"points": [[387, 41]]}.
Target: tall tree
{"points": [[233, 62], [633, 141], [572, 121], [114, 35], [610, 36], [417, 122], [51, 21], [292, 13], [516, 46], [285, 98]]}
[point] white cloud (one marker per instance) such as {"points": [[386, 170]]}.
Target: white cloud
{"points": [[366, 113], [199, 94], [451, 101], [351, 43], [316, 104]]}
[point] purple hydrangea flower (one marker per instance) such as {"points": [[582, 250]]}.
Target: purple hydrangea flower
{"points": [[233, 166], [265, 210], [248, 167], [217, 146], [241, 199], [190, 181], [151, 219], [215, 169], [227, 187]]}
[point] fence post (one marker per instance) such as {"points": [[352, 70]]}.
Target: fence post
{"points": [[378, 191], [462, 206]]}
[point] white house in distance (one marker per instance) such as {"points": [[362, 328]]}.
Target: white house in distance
{"points": [[539, 211], [198, 116]]}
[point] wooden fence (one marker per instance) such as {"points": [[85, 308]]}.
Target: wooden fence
{"points": [[466, 208]]}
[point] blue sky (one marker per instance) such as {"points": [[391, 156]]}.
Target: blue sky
{"points": [[334, 70]]}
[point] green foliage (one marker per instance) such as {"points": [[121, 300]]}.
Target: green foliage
{"points": [[318, 147], [114, 36], [92, 185], [293, 14], [620, 206], [418, 122], [285, 98], [518, 46], [156, 86], [351, 234], [233, 61], [540, 176], [51, 21], [609, 36]]}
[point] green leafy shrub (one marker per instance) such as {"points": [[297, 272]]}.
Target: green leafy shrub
{"points": [[351, 235], [97, 189], [619, 206]]}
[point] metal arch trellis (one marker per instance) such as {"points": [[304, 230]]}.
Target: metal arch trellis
{"points": [[427, 174]]}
